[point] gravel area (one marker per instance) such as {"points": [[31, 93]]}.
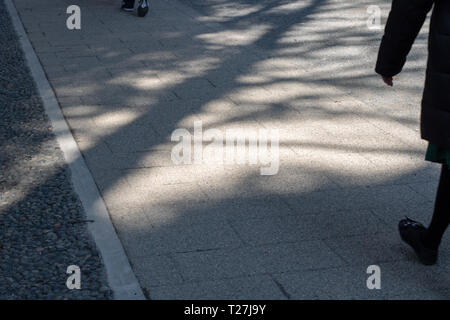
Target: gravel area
{"points": [[43, 229]]}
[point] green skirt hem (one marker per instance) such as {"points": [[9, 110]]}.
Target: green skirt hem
{"points": [[437, 154]]}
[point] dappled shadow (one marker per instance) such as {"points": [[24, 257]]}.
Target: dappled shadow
{"points": [[348, 155]]}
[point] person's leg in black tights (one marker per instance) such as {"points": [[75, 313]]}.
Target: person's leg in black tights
{"points": [[441, 216]]}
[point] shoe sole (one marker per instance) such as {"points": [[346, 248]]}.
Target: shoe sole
{"points": [[142, 12], [421, 259]]}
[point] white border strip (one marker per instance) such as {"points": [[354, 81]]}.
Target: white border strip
{"points": [[120, 276]]}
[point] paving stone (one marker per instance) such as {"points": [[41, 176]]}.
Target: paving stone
{"points": [[308, 255], [361, 250], [172, 238], [394, 213], [373, 197], [308, 227], [427, 190], [157, 270], [219, 264], [335, 283], [251, 208], [254, 288]]}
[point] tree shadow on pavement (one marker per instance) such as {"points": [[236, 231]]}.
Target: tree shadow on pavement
{"points": [[349, 163]]}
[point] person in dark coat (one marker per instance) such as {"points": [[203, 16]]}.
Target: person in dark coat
{"points": [[404, 23]]}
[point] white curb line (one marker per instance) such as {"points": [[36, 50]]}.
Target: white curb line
{"points": [[121, 278]]}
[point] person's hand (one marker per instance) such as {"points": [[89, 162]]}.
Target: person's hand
{"points": [[388, 80]]}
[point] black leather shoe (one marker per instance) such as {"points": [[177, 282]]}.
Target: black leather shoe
{"points": [[142, 8], [411, 232]]}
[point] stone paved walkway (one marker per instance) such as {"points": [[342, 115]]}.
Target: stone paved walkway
{"points": [[351, 158]]}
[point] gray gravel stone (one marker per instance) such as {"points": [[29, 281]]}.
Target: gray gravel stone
{"points": [[38, 207]]}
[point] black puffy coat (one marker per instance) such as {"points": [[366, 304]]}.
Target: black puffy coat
{"points": [[404, 23]]}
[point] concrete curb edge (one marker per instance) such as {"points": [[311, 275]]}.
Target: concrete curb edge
{"points": [[120, 275]]}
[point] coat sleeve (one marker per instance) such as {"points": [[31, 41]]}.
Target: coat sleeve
{"points": [[403, 25]]}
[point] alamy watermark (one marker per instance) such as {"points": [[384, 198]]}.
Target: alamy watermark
{"points": [[73, 21], [374, 280], [232, 146], [74, 280], [374, 20]]}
